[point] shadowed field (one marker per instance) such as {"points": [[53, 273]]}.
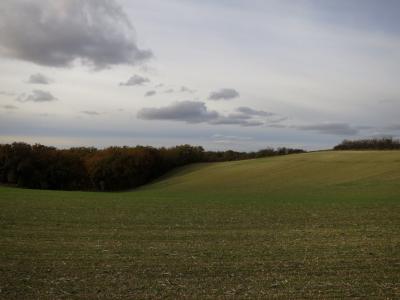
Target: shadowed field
{"points": [[316, 225]]}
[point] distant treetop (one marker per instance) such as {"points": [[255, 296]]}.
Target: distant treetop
{"points": [[387, 143]]}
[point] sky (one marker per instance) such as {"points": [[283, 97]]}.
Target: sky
{"points": [[241, 75]]}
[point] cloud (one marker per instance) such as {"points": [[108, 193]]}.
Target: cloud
{"points": [[277, 119], [58, 32], [277, 126], [169, 91], [254, 112], [195, 112], [185, 89], [235, 119], [240, 116], [135, 80], [90, 112], [224, 94], [252, 123], [9, 106], [39, 79], [393, 127], [330, 128], [9, 94], [187, 111], [150, 93], [270, 117], [37, 96]]}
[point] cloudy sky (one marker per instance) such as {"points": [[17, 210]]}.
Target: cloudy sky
{"points": [[222, 74]]}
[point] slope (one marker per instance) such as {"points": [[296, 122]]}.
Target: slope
{"points": [[317, 225]]}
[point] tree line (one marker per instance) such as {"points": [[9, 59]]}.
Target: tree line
{"points": [[114, 168], [369, 144]]}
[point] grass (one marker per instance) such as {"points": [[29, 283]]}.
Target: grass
{"points": [[317, 225]]}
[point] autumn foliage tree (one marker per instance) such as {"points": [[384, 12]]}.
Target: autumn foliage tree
{"points": [[41, 167], [115, 168]]}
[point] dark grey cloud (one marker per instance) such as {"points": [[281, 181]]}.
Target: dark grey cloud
{"points": [[37, 96], [135, 80], [8, 106], [187, 111], [224, 94], [59, 32], [150, 93], [330, 128], [195, 112], [229, 120], [39, 79], [236, 119], [270, 117], [253, 112], [90, 112]]}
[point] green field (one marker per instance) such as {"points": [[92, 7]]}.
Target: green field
{"points": [[316, 225]]}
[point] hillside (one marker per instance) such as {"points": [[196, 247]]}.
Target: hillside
{"points": [[366, 174], [316, 225]]}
